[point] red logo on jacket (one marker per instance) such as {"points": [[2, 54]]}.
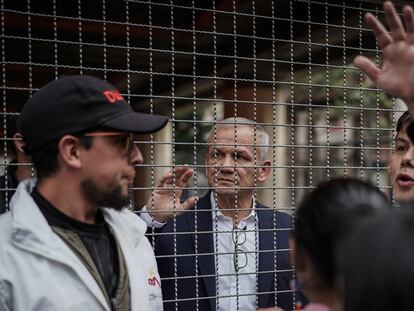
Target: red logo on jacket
{"points": [[152, 278], [113, 96], [154, 281]]}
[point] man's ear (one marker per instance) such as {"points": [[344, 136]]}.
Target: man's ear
{"points": [[264, 170], [69, 151], [19, 143]]}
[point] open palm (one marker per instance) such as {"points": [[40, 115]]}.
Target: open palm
{"points": [[164, 202], [396, 76]]}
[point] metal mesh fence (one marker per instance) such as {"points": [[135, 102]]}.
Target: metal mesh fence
{"points": [[286, 65]]}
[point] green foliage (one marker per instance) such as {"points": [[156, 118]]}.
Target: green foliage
{"points": [[343, 88]]}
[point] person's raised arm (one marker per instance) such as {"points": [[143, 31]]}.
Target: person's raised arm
{"points": [[396, 75], [164, 202]]}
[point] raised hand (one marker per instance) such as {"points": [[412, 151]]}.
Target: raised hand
{"points": [[164, 202], [396, 76]]}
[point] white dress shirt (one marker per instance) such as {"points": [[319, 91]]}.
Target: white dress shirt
{"points": [[236, 290]]}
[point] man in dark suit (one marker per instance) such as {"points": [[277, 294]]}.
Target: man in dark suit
{"points": [[229, 252]]}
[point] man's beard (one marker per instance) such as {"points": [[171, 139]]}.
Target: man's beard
{"points": [[111, 197]]}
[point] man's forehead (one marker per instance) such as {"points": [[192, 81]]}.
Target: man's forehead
{"points": [[223, 146], [227, 147], [234, 132], [234, 127]]}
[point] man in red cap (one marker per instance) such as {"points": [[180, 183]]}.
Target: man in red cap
{"points": [[68, 243]]}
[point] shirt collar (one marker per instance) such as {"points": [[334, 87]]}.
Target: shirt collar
{"points": [[220, 215]]}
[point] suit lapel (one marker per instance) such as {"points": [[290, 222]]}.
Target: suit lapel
{"points": [[205, 247], [266, 253]]}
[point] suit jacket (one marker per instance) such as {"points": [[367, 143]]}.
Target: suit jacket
{"points": [[188, 278]]}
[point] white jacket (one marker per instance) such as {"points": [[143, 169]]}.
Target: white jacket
{"points": [[38, 271]]}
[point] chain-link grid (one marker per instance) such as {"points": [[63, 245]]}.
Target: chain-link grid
{"points": [[286, 65]]}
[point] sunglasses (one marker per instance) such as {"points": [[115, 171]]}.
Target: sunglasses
{"points": [[125, 140]]}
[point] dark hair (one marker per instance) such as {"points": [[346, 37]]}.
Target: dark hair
{"points": [[405, 123], [377, 261], [326, 215], [45, 158]]}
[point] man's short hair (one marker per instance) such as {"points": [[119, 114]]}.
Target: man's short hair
{"points": [[405, 123], [262, 141]]}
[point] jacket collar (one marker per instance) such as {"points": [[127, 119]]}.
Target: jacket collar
{"points": [[129, 229], [32, 233], [206, 246], [29, 222], [30, 229], [217, 212], [204, 239], [126, 223]]}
